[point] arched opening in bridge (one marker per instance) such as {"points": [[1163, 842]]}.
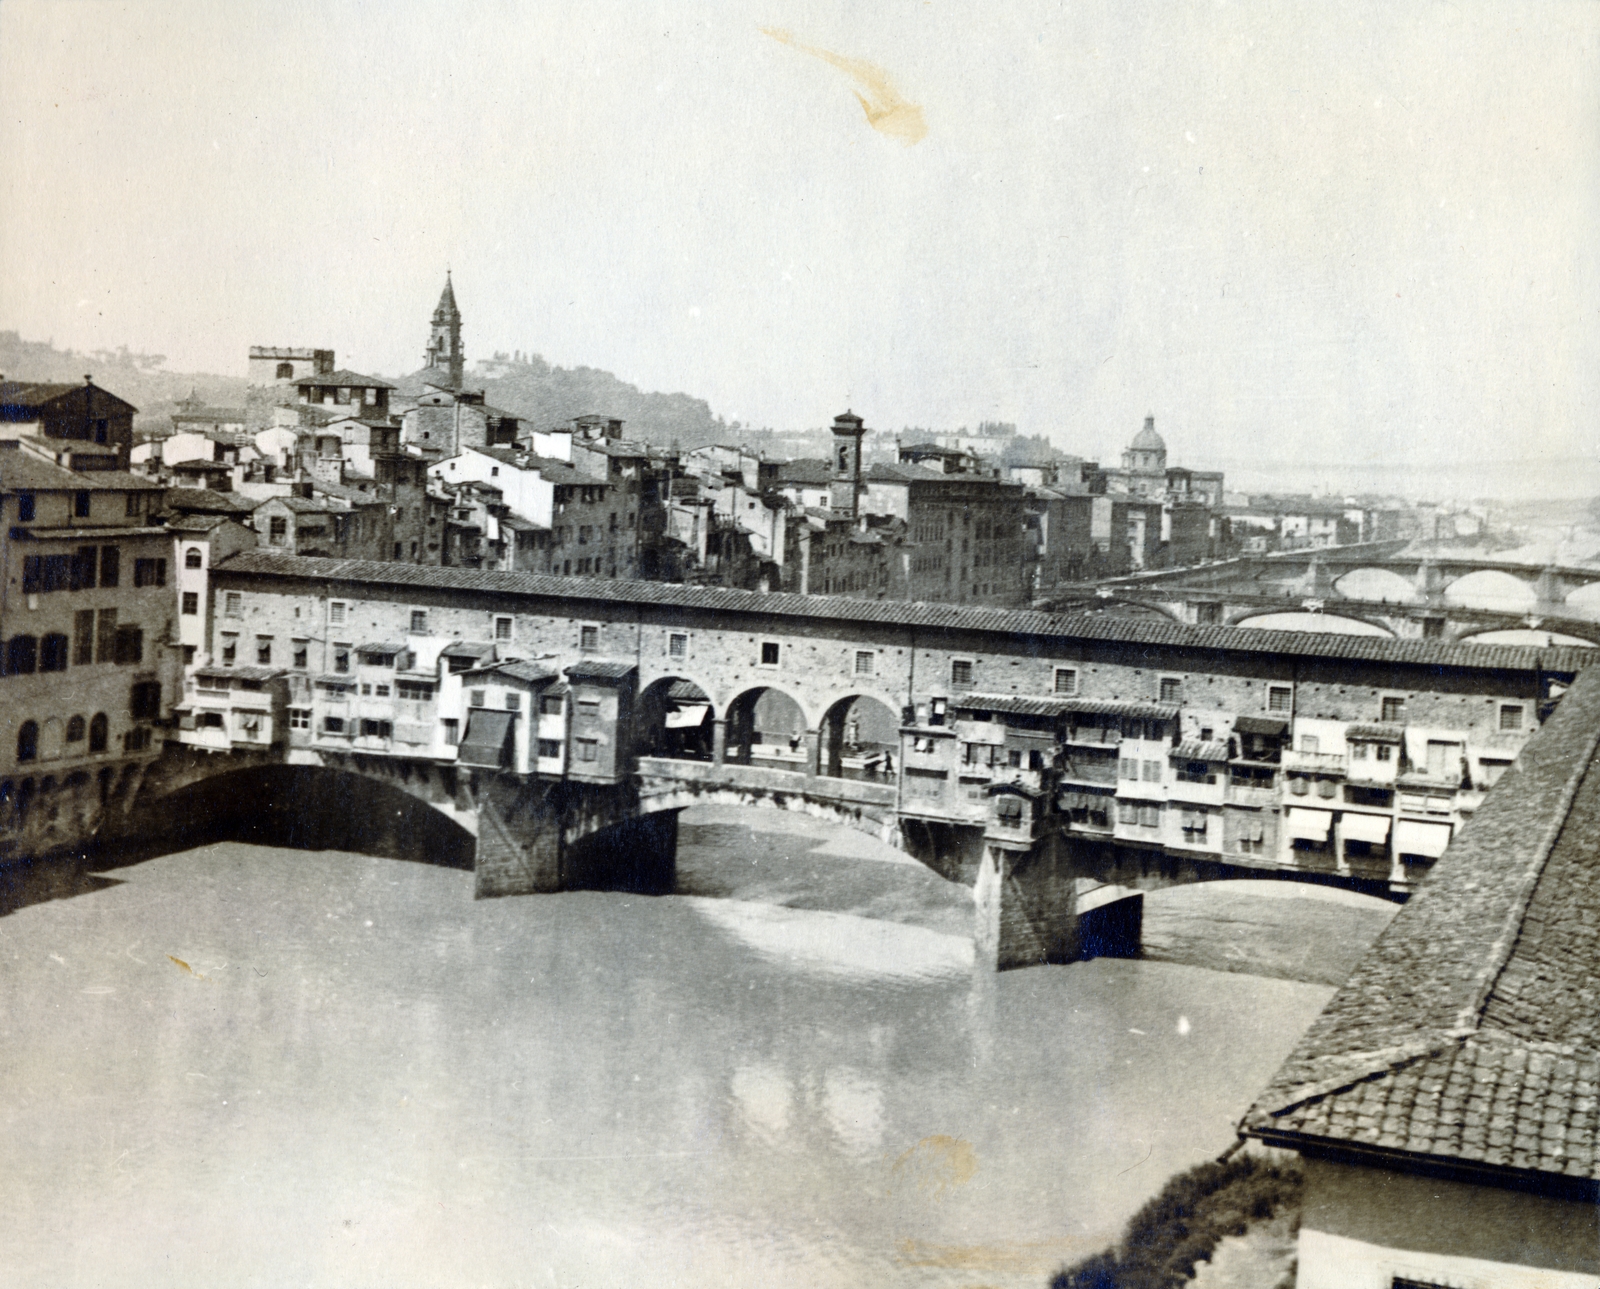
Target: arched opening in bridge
{"points": [[1492, 589], [1528, 636], [1292, 930], [1584, 602], [1377, 584], [1316, 623], [304, 808], [676, 720], [859, 738], [767, 728]]}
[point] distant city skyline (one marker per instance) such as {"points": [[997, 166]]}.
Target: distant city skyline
{"points": [[1336, 240]]}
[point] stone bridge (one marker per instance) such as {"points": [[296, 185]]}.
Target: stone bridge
{"points": [[805, 704]]}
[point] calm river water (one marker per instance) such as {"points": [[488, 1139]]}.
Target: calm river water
{"points": [[249, 1066]]}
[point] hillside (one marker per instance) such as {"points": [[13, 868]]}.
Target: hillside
{"points": [[136, 377], [549, 396]]}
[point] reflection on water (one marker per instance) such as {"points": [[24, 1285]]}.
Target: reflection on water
{"points": [[244, 1066]]}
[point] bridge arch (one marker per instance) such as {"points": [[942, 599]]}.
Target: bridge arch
{"points": [[677, 719], [1377, 584], [402, 811], [859, 738], [1583, 599], [1491, 588], [1539, 637], [1119, 605], [1348, 624], [766, 725]]}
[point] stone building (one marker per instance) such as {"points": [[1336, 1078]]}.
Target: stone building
{"points": [[86, 427], [88, 620]]}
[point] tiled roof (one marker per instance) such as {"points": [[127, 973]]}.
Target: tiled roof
{"points": [[342, 377], [1470, 1033], [1193, 749], [205, 501], [19, 468], [1276, 725], [516, 669], [1128, 633], [805, 472], [1012, 704], [1377, 733], [25, 397], [600, 669]]}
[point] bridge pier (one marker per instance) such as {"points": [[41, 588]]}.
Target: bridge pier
{"points": [[1037, 906], [538, 837]]}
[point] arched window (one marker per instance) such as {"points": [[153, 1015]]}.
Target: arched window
{"points": [[191, 558], [285, 371], [97, 733], [53, 652], [75, 729], [28, 741], [22, 656]]}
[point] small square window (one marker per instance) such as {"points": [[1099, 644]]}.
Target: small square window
{"points": [[1309, 743], [961, 671], [299, 718], [588, 749], [588, 637], [502, 628], [1066, 680], [549, 748], [1384, 751], [1280, 698], [677, 645], [865, 659], [479, 698], [769, 653], [1511, 718], [419, 622], [1171, 689], [513, 701], [191, 603], [1394, 710], [336, 609]]}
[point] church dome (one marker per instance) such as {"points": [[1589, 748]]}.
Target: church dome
{"points": [[1147, 440]]}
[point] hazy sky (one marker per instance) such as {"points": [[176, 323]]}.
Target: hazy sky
{"points": [[1348, 232]]}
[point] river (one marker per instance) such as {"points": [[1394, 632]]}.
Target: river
{"points": [[250, 1066]]}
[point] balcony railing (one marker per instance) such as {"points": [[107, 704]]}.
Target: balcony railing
{"points": [[1314, 762]]}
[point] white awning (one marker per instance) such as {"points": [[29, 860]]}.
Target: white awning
{"points": [[1309, 825], [1368, 828], [682, 718], [1413, 837]]}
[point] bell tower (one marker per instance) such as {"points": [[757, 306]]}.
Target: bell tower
{"points": [[845, 488], [444, 356]]}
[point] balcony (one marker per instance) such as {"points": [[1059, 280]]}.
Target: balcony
{"points": [[1332, 763], [1256, 795], [1207, 790]]}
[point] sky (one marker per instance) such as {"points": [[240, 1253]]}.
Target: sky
{"points": [[1359, 236]]}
